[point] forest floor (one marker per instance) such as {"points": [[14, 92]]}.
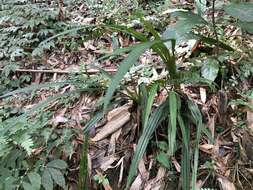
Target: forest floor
{"points": [[226, 105]]}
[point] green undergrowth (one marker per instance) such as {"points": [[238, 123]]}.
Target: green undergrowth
{"points": [[33, 147]]}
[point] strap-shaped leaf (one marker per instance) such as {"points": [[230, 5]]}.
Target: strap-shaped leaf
{"points": [[92, 122], [147, 106], [172, 129], [125, 65], [186, 164], [155, 119], [196, 114]]}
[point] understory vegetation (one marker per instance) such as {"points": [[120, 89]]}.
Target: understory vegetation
{"points": [[122, 94]]}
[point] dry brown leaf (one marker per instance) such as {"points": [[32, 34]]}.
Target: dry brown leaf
{"points": [[176, 164], [113, 140], [199, 184], [116, 122], [143, 171], [59, 117], [115, 112], [250, 116], [247, 144], [107, 162], [89, 166], [211, 125], [225, 184], [157, 182], [202, 92], [207, 148], [136, 185]]}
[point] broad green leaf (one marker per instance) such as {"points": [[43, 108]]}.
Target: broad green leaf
{"points": [[196, 114], [27, 186], [243, 11], [35, 180], [181, 31], [201, 6], [155, 119], [59, 164], [163, 159], [57, 177], [189, 16], [248, 26], [46, 180], [210, 69], [172, 128], [123, 69]]}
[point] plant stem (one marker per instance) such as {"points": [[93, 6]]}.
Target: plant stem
{"points": [[213, 23]]}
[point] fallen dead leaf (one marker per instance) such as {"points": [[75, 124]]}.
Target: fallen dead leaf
{"points": [[136, 185], [202, 92], [177, 165], [107, 162], [113, 140], [157, 182], [116, 122], [250, 116], [211, 125], [59, 117], [225, 184], [207, 148], [143, 171]]}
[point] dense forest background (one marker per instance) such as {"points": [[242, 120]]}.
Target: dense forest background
{"points": [[126, 94]]}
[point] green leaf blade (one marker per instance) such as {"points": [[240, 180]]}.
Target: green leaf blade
{"points": [[154, 120], [173, 122], [123, 69], [242, 11]]}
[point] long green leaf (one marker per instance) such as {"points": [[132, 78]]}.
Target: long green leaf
{"points": [[127, 30], [196, 114], [172, 129], [92, 122], [161, 49], [148, 106], [83, 171], [123, 69], [155, 119], [185, 154]]}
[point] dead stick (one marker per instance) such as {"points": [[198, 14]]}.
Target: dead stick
{"points": [[89, 71]]}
